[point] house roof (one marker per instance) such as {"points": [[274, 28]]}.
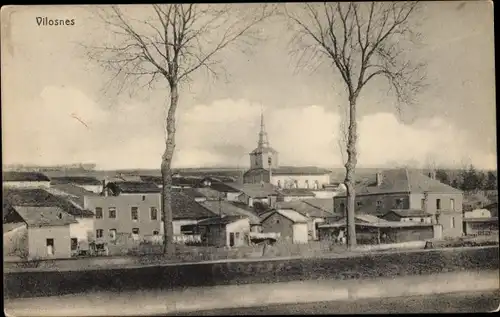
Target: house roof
{"points": [[402, 180], [44, 216], [219, 221], [303, 208], [229, 209], [71, 192], [361, 218], [79, 180], [24, 177], [176, 180], [37, 197], [325, 204], [133, 187], [223, 187], [301, 192], [290, 170], [185, 207], [405, 213], [193, 192], [255, 190], [290, 214]]}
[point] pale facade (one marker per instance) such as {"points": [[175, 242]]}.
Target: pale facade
{"points": [[49, 242]]}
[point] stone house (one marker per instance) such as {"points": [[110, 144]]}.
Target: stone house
{"points": [[406, 189]]}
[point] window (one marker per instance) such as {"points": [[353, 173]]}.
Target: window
{"points": [[112, 212], [143, 198], [452, 204], [422, 204], [421, 219], [99, 233], [398, 203], [134, 213], [154, 213], [453, 222], [438, 204], [74, 244], [50, 246], [112, 234], [277, 221], [98, 212], [378, 205], [156, 232], [59, 215], [135, 231], [359, 204]]}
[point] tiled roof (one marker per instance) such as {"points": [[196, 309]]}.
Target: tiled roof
{"points": [[220, 221], [255, 190], [404, 213], [402, 180], [44, 216], [37, 197], [287, 213], [223, 187], [24, 177], [325, 204], [133, 187], [302, 192], [71, 192], [303, 208], [209, 193], [229, 209], [79, 180], [365, 218], [193, 192], [185, 207]]}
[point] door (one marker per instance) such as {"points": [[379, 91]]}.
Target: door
{"points": [[50, 246], [231, 239]]}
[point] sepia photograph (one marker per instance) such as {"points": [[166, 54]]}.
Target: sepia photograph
{"points": [[249, 158]]}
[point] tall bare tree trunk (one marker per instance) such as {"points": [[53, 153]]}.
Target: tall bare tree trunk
{"points": [[350, 167], [166, 173]]}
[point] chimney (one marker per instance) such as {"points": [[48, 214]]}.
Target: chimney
{"points": [[379, 178]]}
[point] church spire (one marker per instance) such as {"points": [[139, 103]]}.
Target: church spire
{"points": [[263, 141]]}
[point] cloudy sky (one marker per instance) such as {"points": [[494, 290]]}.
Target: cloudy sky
{"points": [[54, 110]]}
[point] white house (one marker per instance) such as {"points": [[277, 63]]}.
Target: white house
{"points": [[228, 231]]}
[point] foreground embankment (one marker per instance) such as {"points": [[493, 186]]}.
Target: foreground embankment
{"points": [[250, 298], [35, 283]]}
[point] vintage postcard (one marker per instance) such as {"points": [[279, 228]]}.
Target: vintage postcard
{"points": [[249, 158]]}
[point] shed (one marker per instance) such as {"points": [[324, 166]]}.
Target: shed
{"points": [[288, 223], [228, 231]]}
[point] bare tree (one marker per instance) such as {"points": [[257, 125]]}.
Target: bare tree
{"points": [[168, 46], [361, 41]]}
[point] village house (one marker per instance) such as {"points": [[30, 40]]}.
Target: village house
{"points": [[227, 231], [186, 213], [406, 189], [287, 223], [126, 211], [25, 180], [88, 183], [313, 214], [228, 208], [480, 222], [251, 193], [81, 230], [44, 233]]}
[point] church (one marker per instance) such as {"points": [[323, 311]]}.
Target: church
{"points": [[265, 168]]}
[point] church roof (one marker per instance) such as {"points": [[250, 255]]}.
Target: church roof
{"points": [[290, 170]]}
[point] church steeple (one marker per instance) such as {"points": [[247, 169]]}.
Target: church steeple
{"points": [[263, 141]]}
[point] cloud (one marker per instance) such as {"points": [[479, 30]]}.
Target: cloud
{"points": [[63, 126]]}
